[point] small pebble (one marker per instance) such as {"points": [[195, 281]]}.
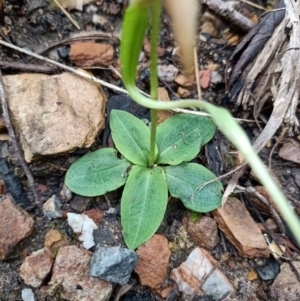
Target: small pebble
{"points": [[269, 270], [51, 208], [252, 275], [27, 294], [113, 264]]}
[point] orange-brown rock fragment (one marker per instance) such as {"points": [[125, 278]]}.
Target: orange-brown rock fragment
{"points": [[72, 270], [89, 54], [15, 225], [204, 78], [204, 232], [153, 261], [54, 240], [36, 267], [185, 81], [240, 229]]}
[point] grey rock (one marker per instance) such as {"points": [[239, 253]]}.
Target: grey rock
{"points": [[66, 194], [269, 270], [51, 208], [113, 264]]}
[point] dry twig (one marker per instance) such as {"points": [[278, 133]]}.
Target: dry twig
{"points": [[223, 10], [27, 67]]}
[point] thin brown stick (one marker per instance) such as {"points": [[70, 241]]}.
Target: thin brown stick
{"points": [[226, 12], [15, 142], [197, 73], [27, 67]]}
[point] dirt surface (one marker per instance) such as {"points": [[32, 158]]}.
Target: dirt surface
{"points": [[36, 25]]}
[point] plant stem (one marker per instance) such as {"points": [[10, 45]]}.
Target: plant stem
{"points": [[231, 130], [156, 10]]}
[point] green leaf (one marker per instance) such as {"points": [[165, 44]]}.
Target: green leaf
{"points": [[131, 136], [134, 29], [143, 204], [180, 138], [97, 173], [184, 182]]}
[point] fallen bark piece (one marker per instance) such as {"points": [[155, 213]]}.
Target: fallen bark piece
{"points": [[71, 271], [54, 114], [290, 151], [87, 54], [204, 232], [286, 286], [15, 225], [153, 261], [36, 267], [240, 229], [189, 276]]}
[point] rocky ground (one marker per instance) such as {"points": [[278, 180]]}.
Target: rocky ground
{"points": [[70, 247]]}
